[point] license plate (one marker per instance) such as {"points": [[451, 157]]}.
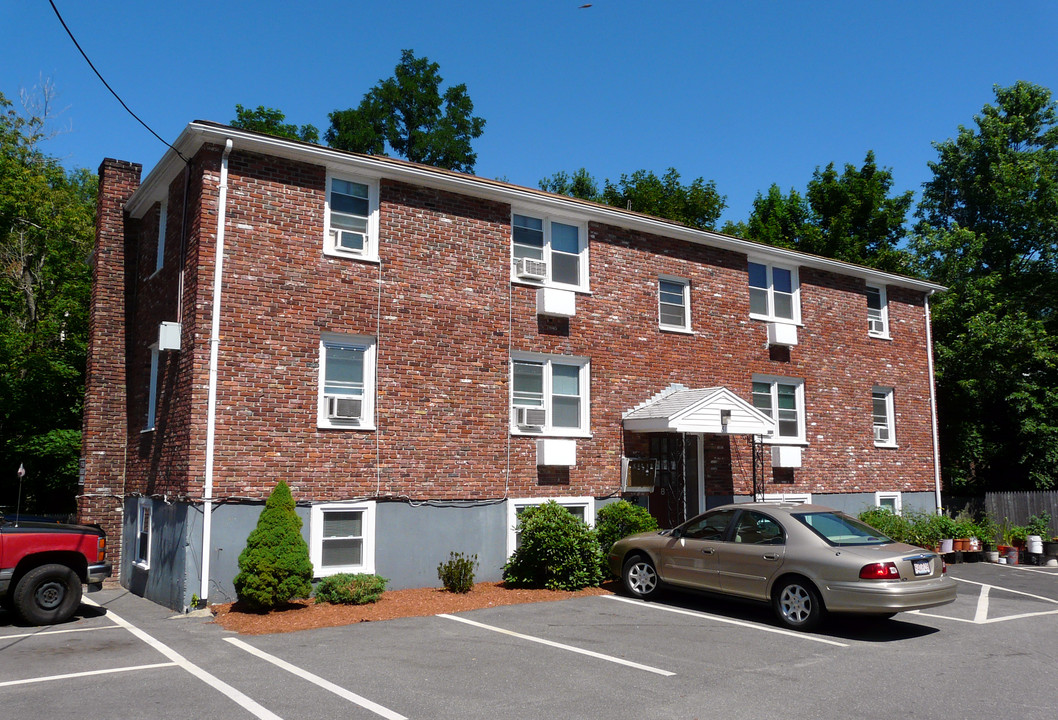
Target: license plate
{"points": [[921, 567]]}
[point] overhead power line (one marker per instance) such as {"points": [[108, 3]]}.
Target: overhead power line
{"points": [[107, 85]]}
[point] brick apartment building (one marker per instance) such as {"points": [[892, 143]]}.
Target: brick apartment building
{"points": [[420, 353]]}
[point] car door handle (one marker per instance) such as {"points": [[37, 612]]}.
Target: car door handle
{"points": [[708, 551], [770, 556]]}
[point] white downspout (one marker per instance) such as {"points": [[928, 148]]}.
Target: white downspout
{"points": [[933, 404], [214, 347]]}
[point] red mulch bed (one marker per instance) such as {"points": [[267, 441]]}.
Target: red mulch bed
{"points": [[417, 602]]}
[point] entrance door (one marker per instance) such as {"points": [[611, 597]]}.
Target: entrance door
{"points": [[680, 491]]}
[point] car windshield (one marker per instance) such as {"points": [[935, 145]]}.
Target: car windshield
{"points": [[839, 529]]}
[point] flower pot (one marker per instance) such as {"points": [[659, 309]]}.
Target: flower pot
{"points": [[1012, 556], [1050, 548], [992, 556], [945, 546], [961, 544]]}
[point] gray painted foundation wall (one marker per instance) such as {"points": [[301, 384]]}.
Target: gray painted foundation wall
{"points": [[410, 542]]}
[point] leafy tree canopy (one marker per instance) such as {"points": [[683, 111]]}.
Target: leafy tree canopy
{"points": [[271, 121], [409, 115], [989, 231], [848, 216], [47, 218], [697, 205]]}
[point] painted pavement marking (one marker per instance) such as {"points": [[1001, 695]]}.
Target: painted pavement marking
{"points": [[718, 618], [57, 632], [551, 643], [87, 673], [981, 613], [317, 680]]}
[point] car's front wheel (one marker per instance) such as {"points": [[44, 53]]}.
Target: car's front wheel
{"points": [[48, 594], [640, 577], [797, 604]]}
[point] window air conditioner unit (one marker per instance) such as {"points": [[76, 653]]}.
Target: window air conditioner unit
{"points": [[638, 474], [876, 326], [782, 334], [881, 434], [344, 408], [531, 269], [527, 417]]}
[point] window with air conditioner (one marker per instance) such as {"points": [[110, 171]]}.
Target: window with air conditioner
{"points": [[347, 382], [342, 538], [882, 415], [877, 312], [774, 293], [549, 395], [351, 217], [783, 400], [549, 251]]}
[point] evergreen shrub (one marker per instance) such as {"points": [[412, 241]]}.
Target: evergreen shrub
{"points": [[457, 574], [350, 589], [619, 520], [558, 551], [274, 567]]}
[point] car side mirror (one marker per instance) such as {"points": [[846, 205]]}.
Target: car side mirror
{"points": [[675, 534]]}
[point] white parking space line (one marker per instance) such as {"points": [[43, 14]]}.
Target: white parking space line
{"points": [[983, 600], [317, 680], [550, 643], [58, 632], [718, 618], [87, 673], [244, 701]]}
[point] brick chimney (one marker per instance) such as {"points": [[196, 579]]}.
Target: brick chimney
{"points": [[105, 429]]}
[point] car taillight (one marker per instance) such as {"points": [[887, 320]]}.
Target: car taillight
{"points": [[101, 549], [879, 571]]}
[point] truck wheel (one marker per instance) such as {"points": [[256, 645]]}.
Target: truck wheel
{"points": [[48, 594]]}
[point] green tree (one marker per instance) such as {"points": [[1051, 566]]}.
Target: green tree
{"points": [[272, 122], [849, 216], [697, 205], [46, 233], [579, 185], [989, 231], [409, 114], [274, 567]]}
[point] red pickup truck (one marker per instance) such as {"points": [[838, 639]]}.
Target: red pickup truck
{"points": [[43, 565]]}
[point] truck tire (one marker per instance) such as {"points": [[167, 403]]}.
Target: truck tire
{"points": [[48, 594]]}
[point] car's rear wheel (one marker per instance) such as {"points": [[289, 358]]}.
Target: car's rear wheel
{"points": [[48, 594], [797, 604], [640, 577]]}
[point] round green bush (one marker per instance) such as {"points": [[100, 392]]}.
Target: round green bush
{"points": [[558, 551], [619, 520], [274, 568], [350, 589]]}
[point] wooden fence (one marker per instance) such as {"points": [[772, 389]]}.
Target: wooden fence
{"points": [[1018, 506]]}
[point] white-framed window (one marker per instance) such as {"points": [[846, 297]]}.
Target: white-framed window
{"points": [[142, 554], [890, 500], [159, 252], [783, 400], [346, 396], [582, 507], [790, 497], [882, 416], [351, 217], [877, 312], [549, 395], [549, 250], [342, 538], [152, 390], [774, 293], [674, 304]]}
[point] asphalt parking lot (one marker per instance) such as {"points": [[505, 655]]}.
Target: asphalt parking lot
{"points": [[990, 654]]}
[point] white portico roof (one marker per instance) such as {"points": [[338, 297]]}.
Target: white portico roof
{"points": [[678, 408]]}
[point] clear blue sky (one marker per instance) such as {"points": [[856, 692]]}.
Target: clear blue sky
{"points": [[743, 93]]}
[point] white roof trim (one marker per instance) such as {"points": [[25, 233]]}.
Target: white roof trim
{"points": [[197, 133], [680, 409]]}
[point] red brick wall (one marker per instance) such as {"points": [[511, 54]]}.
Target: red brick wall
{"points": [[448, 313], [103, 438]]}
